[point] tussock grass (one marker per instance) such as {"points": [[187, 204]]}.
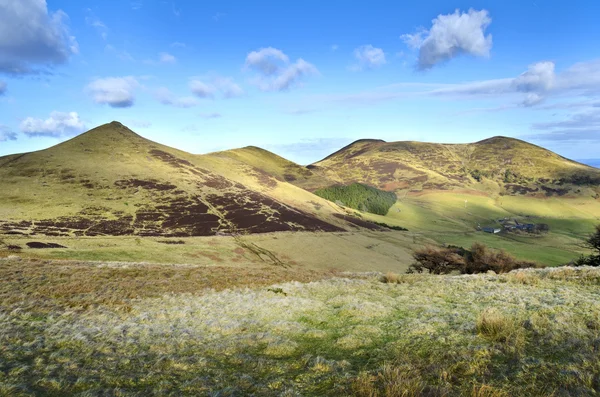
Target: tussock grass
{"points": [[186, 330]]}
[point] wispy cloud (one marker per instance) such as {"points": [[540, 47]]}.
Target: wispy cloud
{"points": [[213, 115], [138, 123], [178, 44], [226, 87], [3, 87], [58, 125], [275, 72], [166, 97], [6, 134], [537, 84], [121, 54], [368, 57], [32, 39], [165, 57], [116, 92], [97, 24], [313, 149], [450, 36]]}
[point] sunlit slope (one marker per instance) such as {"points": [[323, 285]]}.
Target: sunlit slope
{"points": [[495, 165], [111, 181], [263, 162]]}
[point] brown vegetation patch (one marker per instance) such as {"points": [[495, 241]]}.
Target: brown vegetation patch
{"points": [[264, 178], [289, 177], [551, 192], [45, 285], [38, 245], [359, 222], [519, 189], [253, 212], [149, 184]]}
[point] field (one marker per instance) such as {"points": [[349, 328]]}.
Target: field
{"points": [[356, 251], [90, 329], [447, 219]]}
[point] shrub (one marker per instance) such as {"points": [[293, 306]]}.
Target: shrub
{"points": [[480, 259], [360, 197], [437, 261]]}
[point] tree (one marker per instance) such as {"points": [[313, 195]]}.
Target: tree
{"points": [[593, 242]]}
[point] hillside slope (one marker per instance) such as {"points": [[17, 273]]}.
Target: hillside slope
{"points": [[497, 164], [111, 181]]}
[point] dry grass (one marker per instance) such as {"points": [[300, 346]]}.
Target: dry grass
{"points": [[45, 285], [72, 328]]}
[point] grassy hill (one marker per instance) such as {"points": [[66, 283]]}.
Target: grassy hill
{"points": [[495, 165], [111, 181]]}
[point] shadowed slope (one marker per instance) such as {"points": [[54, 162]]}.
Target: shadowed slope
{"points": [[111, 181]]}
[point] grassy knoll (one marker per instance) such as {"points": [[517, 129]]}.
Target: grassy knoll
{"points": [[139, 330]]}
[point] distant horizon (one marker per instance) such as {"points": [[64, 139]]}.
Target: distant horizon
{"points": [[301, 79]]}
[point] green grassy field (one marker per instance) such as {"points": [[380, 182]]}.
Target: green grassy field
{"points": [[447, 219], [94, 329]]}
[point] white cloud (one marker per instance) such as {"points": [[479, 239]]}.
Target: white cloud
{"points": [[165, 57], [32, 38], [368, 57], [166, 97], [116, 92], [3, 86], [6, 134], [225, 86], [177, 44], [201, 89], [274, 70], [267, 61], [57, 125], [450, 36], [334, 47]]}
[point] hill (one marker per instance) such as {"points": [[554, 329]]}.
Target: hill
{"points": [[495, 165], [111, 181]]}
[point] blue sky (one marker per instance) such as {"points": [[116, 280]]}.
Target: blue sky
{"points": [[301, 78]]}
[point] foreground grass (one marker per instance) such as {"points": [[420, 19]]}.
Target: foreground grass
{"points": [[529, 333]]}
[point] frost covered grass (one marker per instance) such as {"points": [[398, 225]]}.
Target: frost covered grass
{"points": [[526, 333]]}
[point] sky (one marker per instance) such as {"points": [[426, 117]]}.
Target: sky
{"points": [[301, 79]]}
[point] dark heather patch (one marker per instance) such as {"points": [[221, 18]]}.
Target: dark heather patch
{"points": [[171, 242], [38, 245], [149, 185], [359, 222], [559, 192], [253, 212], [289, 177], [519, 189], [264, 178]]}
